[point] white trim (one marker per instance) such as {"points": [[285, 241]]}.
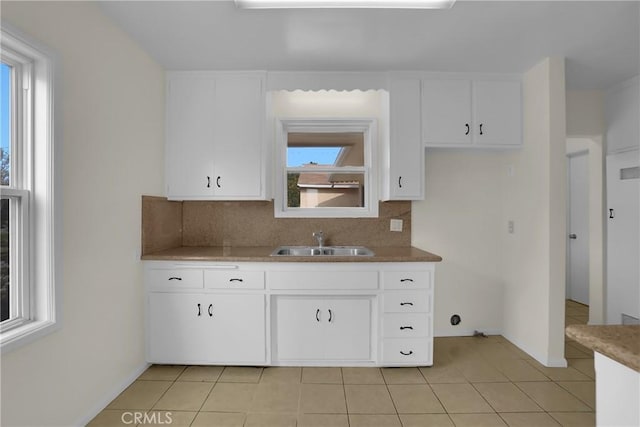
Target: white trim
{"points": [[42, 180], [366, 125]]}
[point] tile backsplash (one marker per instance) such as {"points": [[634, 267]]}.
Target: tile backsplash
{"points": [[247, 223]]}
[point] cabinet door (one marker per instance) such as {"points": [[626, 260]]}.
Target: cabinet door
{"points": [[190, 132], [406, 152], [497, 113], [177, 328], [237, 329], [446, 112], [348, 329], [299, 332], [238, 136]]}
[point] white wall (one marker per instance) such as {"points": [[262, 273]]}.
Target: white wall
{"points": [[112, 118], [460, 220], [622, 109], [585, 112], [534, 198]]}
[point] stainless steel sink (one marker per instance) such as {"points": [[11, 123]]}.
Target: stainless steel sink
{"points": [[322, 251]]}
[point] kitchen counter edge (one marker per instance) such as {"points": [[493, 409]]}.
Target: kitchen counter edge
{"points": [[262, 254], [618, 342]]}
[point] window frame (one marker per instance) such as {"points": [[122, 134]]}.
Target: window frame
{"points": [[32, 187], [368, 126]]}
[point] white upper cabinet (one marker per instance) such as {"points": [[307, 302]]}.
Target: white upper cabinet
{"points": [[215, 136], [404, 168], [446, 112], [471, 113]]}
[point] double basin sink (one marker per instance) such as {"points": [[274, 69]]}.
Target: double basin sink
{"points": [[322, 251]]}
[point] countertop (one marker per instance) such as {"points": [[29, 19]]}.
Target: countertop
{"points": [[618, 342], [262, 254]]}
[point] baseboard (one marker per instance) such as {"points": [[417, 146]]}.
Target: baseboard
{"points": [[465, 333], [91, 414], [542, 359]]}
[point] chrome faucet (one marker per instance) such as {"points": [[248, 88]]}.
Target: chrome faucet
{"points": [[319, 235]]}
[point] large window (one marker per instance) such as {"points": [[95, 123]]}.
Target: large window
{"points": [[27, 256]]}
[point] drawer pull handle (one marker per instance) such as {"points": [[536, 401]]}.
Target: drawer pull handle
{"points": [[317, 315], [402, 328], [406, 303], [406, 354], [199, 313], [406, 280], [175, 278], [236, 280], [210, 310], [330, 316]]}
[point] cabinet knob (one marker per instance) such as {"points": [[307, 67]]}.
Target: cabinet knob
{"points": [[318, 315], [402, 328], [199, 313], [406, 354], [406, 303], [406, 280], [236, 280], [210, 310], [330, 316], [400, 182], [468, 129], [175, 278], [208, 182], [481, 129], [218, 182]]}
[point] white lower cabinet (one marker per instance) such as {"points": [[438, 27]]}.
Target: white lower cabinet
{"points": [[201, 328], [281, 313], [315, 328]]}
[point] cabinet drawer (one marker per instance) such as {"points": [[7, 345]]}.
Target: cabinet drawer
{"points": [[234, 279], [410, 325], [407, 302], [406, 280], [175, 278], [410, 351], [342, 280]]}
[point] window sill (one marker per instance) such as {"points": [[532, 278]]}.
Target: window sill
{"points": [[24, 334]]}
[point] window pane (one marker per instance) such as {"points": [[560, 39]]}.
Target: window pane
{"points": [[324, 190], [5, 311], [326, 149], [5, 123]]}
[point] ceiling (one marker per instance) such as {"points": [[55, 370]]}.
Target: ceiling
{"points": [[599, 39]]}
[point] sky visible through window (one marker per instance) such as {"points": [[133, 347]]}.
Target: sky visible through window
{"points": [[298, 156]]}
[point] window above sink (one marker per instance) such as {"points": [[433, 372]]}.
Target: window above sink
{"points": [[325, 168]]}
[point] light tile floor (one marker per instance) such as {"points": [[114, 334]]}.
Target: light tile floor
{"points": [[473, 382]]}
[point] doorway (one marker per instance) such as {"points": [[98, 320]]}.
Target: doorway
{"points": [[589, 150], [578, 227]]}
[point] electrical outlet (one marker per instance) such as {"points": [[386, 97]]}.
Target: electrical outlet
{"points": [[395, 225], [510, 227]]}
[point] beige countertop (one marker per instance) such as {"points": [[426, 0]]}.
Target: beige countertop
{"points": [[618, 342], [262, 254]]}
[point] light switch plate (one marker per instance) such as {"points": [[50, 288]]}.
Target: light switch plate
{"points": [[395, 225]]}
